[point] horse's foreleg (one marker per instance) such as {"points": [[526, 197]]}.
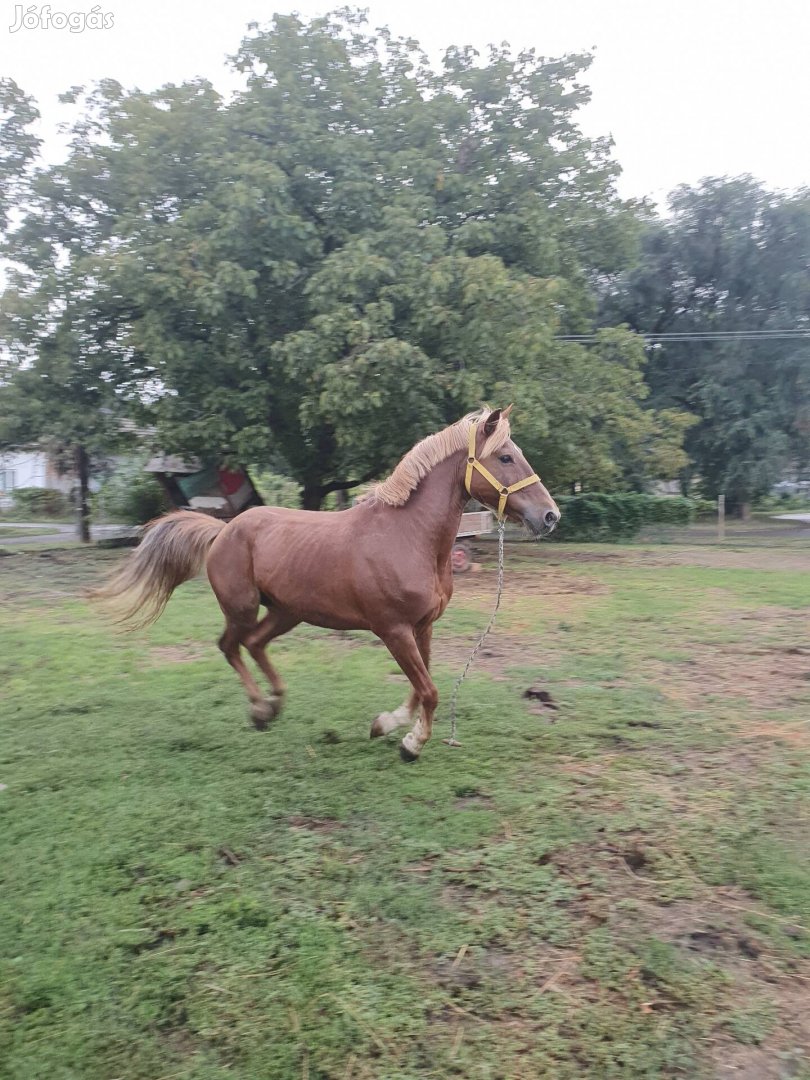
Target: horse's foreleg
{"points": [[402, 644], [389, 721]]}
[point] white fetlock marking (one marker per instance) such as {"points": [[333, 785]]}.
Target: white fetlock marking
{"points": [[389, 721], [420, 730], [412, 744]]}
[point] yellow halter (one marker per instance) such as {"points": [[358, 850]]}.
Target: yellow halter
{"points": [[504, 492]]}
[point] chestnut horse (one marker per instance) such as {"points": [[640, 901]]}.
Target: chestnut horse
{"points": [[382, 565]]}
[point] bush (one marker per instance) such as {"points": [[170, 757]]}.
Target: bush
{"points": [[130, 496], [40, 502], [705, 508], [783, 501], [276, 489], [596, 517]]}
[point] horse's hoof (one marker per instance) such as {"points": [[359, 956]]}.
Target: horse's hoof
{"points": [[262, 712], [378, 728], [407, 755]]}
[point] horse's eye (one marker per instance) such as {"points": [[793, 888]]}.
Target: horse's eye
{"points": [[507, 459]]}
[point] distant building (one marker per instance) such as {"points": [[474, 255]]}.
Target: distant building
{"points": [[30, 467]]}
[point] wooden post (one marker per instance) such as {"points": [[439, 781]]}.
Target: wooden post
{"points": [[83, 494], [721, 518]]}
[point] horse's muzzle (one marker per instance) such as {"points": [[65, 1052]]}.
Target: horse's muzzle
{"points": [[541, 524]]}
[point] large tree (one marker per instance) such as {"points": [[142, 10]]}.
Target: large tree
{"points": [[354, 249], [18, 145], [731, 256], [58, 380]]}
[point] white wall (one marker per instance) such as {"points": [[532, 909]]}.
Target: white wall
{"points": [[28, 468]]}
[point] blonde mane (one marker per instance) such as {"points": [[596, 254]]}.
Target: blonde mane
{"points": [[420, 459]]}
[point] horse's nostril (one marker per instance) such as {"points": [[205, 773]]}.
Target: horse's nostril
{"points": [[551, 518]]}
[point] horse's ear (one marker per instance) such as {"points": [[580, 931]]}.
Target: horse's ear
{"points": [[506, 411], [491, 422]]}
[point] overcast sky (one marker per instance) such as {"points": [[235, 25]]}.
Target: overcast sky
{"points": [[687, 88]]}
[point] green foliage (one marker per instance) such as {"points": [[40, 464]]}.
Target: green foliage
{"points": [[610, 517], [752, 1024], [131, 496], [40, 502], [18, 145], [275, 488], [783, 502], [353, 252], [731, 256], [704, 507]]}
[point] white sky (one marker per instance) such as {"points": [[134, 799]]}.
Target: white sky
{"points": [[687, 88]]}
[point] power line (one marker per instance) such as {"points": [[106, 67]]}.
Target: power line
{"points": [[707, 335]]}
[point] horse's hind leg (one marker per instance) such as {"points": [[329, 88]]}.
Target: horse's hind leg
{"points": [[273, 625], [261, 710]]}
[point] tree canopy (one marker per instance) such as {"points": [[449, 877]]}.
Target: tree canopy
{"points": [[731, 256], [354, 249]]}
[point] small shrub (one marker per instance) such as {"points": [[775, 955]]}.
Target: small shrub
{"points": [[40, 502], [705, 507], [783, 501], [595, 517], [131, 496], [276, 489]]}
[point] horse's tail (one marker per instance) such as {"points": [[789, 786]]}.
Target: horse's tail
{"points": [[173, 549]]}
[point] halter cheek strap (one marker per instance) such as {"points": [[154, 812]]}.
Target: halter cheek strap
{"points": [[503, 491]]}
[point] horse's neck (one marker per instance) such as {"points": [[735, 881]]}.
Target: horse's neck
{"points": [[436, 506]]}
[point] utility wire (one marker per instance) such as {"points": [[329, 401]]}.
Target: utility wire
{"points": [[707, 335]]}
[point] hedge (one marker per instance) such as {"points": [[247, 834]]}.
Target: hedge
{"points": [[596, 517], [130, 496], [40, 502]]}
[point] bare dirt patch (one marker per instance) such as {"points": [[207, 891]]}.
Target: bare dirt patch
{"points": [[766, 666], [159, 655], [768, 677], [500, 651], [712, 930], [720, 557], [794, 733], [539, 582], [616, 886]]}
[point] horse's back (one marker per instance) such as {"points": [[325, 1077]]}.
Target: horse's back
{"points": [[345, 568]]}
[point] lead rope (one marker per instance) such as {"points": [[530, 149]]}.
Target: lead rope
{"points": [[453, 741]]}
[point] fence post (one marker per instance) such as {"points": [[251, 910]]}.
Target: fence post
{"points": [[721, 518]]}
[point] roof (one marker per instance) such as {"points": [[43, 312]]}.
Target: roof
{"points": [[168, 463]]}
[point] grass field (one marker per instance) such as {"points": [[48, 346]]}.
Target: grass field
{"points": [[615, 888], [8, 532]]}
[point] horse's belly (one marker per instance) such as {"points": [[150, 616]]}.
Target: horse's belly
{"points": [[331, 621], [313, 597]]}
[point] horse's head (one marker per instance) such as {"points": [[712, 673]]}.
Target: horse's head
{"points": [[500, 477]]}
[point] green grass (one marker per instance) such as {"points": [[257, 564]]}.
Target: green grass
{"points": [[615, 889], [9, 531]]}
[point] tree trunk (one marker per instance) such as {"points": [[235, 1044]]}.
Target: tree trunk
{"points": [[342, 499], [83, 494], [312, 497], [744, 511]]}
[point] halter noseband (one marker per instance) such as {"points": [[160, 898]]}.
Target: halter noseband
{"points": [[503, 491]]}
